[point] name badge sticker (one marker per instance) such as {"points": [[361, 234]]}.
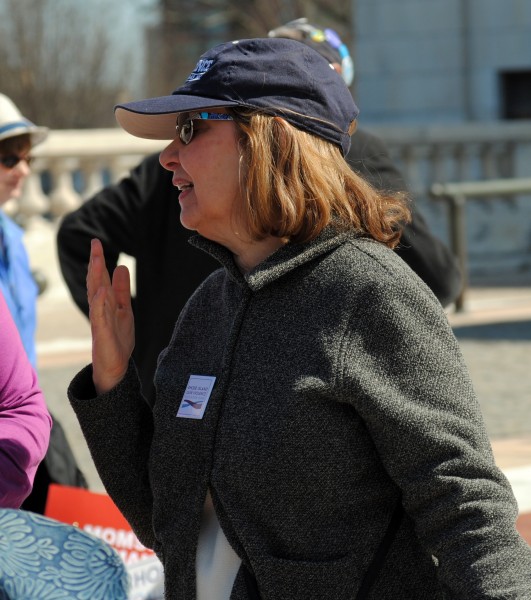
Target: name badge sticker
{"points": [[196, 397]]}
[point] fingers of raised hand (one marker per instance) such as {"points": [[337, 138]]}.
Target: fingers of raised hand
{"points": [[121, 285], [97, 274]]}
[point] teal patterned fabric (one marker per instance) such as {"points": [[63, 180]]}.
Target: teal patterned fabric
{"points": [[41, 558]]}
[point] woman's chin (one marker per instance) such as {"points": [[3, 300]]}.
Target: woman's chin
{"points": [[188, 222]]}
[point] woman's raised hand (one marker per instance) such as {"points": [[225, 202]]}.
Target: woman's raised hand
{"points": [[111, 320]]}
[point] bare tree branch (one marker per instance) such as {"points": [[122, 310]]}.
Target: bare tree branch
{"points": [[55, 61]]}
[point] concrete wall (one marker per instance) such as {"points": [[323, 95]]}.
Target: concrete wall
{"points": [[425, 61]]}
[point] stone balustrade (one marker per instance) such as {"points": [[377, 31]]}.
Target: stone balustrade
{"points": [[73, 164], [497, 227], [430, 154]]}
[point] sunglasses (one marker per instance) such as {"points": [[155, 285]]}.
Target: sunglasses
{"points": [[11, 160], [185, 124]]}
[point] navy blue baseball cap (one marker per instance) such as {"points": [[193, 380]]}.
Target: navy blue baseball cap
{"points": [[276, 76]]}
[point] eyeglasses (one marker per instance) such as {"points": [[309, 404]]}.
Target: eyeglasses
{"points": [[185, 128], [11, 160]]}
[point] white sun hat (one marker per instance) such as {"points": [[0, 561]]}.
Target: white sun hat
{"points": [[12, 123]]}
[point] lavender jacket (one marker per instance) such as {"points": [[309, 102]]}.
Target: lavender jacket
{"points": [[24, 420]]}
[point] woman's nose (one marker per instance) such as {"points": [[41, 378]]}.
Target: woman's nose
{"points": [[169, 157], [22, 168]]}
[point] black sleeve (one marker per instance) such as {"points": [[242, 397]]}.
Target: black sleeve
{"points": [[369, 158], [431, 260], [113, 215]]}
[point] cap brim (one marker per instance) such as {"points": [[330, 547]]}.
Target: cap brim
{"points": [[154, 118]]}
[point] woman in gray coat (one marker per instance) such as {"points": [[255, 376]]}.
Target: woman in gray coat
{"points": [[315, 433]]}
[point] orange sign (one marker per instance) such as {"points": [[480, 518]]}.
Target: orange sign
{"points": [[96, 514]]}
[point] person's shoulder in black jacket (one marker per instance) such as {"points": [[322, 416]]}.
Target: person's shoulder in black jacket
{"points": [[424, 252]]}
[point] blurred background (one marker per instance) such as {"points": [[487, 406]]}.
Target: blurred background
{"points": [[445, 83], [418, 61]]}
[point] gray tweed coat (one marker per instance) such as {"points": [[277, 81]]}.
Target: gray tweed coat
{"points": [[340, 396]]}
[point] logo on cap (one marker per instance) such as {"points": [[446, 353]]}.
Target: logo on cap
{"points": [[202, 67]]}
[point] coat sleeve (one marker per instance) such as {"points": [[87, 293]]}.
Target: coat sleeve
{"points": [[114, 216], [411, 387], [118, 429], [428, 256], [25, 423]]}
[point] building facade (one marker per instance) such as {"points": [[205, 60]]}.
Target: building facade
{"points": [[442, 61]]}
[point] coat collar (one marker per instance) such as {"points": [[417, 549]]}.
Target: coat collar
{"points": [[281, 262]]}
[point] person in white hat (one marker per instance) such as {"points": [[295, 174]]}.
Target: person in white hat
{"points": [[19, 290], [18, 136]]}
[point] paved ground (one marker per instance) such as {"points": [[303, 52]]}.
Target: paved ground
{"points": [[494, 333]]}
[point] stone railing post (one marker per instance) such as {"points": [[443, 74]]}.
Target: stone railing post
{"points": [[63, 197], [33, 200]]}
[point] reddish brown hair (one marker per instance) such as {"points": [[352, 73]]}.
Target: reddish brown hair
{"points": [[294, 184]]}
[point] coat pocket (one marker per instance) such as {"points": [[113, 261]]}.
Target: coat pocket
{"points": [[279, 579]]}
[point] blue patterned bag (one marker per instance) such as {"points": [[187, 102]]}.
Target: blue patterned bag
{"points": [[41, 558]]}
